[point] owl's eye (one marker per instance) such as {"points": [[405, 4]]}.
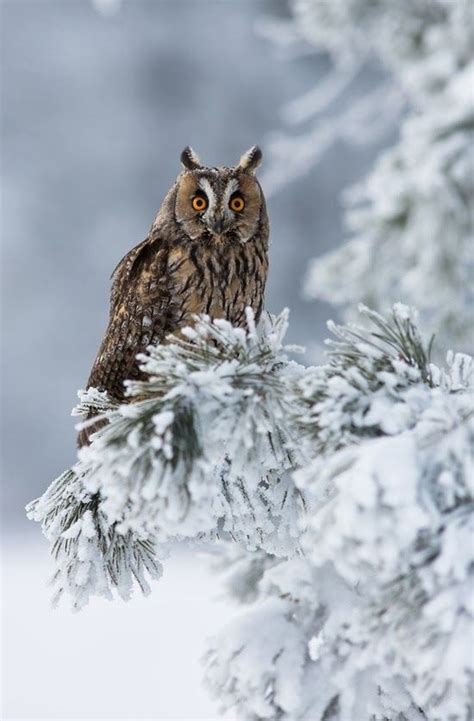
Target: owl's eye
{"points": [[237, 204], [199, 203]]}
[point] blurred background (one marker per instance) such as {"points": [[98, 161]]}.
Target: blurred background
{"points": [[98, 100]]}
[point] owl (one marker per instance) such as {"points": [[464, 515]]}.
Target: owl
{"points": [[206, 252]]}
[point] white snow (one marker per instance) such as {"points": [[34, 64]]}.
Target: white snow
{"points": [[132, 660]]}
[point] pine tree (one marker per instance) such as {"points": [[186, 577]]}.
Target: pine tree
{"points": [[372, 621], [410, 221], [341, 496]]}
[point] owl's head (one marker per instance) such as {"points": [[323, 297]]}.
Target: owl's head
{"points": [[220, 204]]}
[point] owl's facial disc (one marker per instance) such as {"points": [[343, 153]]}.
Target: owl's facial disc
{"points": [[218, 203]]}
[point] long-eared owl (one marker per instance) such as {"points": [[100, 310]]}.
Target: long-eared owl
{"points": [[206, 253]]}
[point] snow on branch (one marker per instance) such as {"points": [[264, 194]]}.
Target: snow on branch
{"points": [[374, 620], [203, 447], [410, 221], [91, 557], [343, 497], [416, 46]]}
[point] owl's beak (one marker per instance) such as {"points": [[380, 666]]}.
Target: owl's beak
{"points": [[218, 225]]}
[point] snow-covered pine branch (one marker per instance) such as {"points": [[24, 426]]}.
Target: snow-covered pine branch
{"points": [[342, 496], [422, 43], [91, 556], [417, 46], [374, 621], [410, 221], [202, 449]]}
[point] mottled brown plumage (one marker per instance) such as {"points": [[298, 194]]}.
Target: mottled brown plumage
{"points": [[212, 260]]}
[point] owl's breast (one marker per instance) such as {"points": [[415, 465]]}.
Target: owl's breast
{"points": [[219, 280]]}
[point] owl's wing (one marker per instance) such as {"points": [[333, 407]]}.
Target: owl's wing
{"points": [[124, 271], [139, 315]]}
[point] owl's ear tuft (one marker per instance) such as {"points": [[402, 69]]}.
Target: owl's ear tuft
{"points": [[251, 159], [190, 159]]}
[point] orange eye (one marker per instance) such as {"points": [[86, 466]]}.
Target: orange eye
{"points": [[199, 203], [237, 204]]}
